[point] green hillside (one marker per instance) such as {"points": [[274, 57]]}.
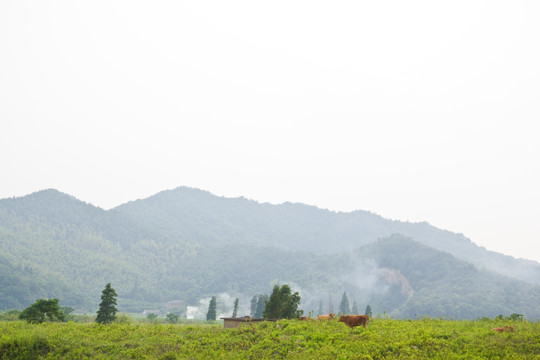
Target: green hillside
{"points": [[442, 285], [197, 216], [187, 244], [21, 285]]}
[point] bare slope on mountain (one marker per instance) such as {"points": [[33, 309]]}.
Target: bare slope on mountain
{"points": [[438, 284]]}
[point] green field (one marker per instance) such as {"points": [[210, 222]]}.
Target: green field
{"points": [[382, 339]]}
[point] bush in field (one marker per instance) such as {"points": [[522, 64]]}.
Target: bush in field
{"points": [[107, 308], [516, 317], [172, 318], [67, 310], [10, 315], [123, 319], [43, 310], [282, 304], [513, 317]]}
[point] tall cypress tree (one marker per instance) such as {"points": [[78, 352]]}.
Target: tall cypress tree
{"points": [[271, 310], [261, 303], [212, 309], [344, 306], [253, 306], [235, 311], [368, 311], [107, 308], [354, 308]]}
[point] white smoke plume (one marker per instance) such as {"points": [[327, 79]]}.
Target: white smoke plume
{"points": [[225, 306]]}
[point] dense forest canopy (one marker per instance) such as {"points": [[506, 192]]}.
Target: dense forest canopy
{"points": [[187, 245]]}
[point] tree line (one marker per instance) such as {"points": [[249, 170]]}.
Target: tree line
{"points": [[49, 310], [345, 309], [281, 304]]}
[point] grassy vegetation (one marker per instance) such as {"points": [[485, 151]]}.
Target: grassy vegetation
{"points": [[382, 339]]}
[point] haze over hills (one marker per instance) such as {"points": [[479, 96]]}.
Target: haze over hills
{"points": [[188, 244], [307, 228]]}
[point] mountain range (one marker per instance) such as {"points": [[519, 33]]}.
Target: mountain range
{"points": [[187, 244]]}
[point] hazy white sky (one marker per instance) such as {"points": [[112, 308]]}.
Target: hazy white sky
{"points": [[415, 110]]}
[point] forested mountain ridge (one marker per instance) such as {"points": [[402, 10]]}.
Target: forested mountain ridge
{"points": [[188, 244], [447, 286], [298, 227]]}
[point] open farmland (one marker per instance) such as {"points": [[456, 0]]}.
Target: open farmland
{"points": [[382, 339]]}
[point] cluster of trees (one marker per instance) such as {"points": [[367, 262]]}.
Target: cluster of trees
{"points": [[212, 309], [257, 305], [49, 310], [281, 304], [345, 309]]}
